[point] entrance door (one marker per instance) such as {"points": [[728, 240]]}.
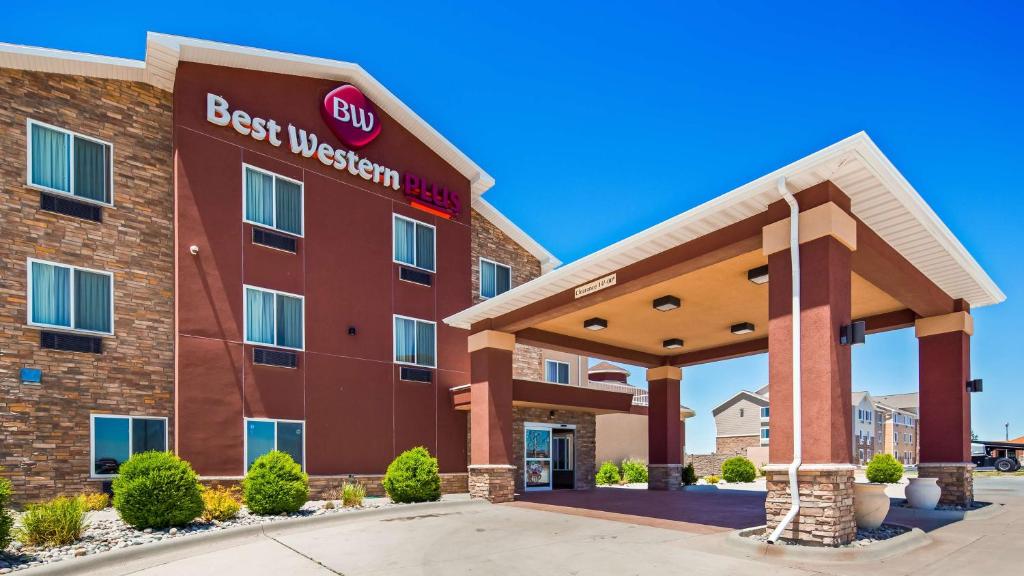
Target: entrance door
{"points": [[562, 460], [538, 458]]}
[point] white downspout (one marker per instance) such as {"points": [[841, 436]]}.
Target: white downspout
{"points": [[794, 253]]}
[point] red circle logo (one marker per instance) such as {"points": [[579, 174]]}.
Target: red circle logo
{"points": [[351, 116]]}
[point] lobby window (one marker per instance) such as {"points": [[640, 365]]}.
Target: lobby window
{"points": [[70, 298], [64, 162], [414, 243], [415, 341], [273, 318], [115, 438], [263, 436], [556, 372], [494, 278], [272, 200]]}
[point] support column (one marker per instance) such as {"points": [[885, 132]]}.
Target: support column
{"points": [[491, 469], [944, 357], [825, 479], [664, 438]]}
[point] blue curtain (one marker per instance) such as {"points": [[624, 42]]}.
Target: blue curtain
{"points": [[259, 316], [503, 279], [289, 439], [405, 340], [51, 294], [487, 288], [259, 438], [148, 434], [110, 444], [288, 198], [259, 197], [425, 344], [289, 321], [404, 241], [92, 179], [425, 247], [92, 301], [50, 158]]}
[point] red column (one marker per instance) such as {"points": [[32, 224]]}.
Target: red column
{"points": [[491, 467], [664, 437]]}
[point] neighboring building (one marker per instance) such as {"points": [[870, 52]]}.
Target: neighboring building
{"points": [[741, 422], [864, 432], [901, 426]]}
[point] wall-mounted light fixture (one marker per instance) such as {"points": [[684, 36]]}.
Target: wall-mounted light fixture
{"points": [[673, 343], [741, 328], [852, 333], [351, 330], [193, 249], [595, 324], [666, 303], [758, 275], [974, 385]]}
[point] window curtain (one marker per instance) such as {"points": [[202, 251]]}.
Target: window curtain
{"points": [[259, 316], [425, 247], [289, 206], [148, 434], [503, 279], [109, 444], [563, 373], [92, 301], [487, 278], [405, 340], [259, 439], [425, 344], [91, 176], [289, 321], [50, 158], [259, 197], [404, 242], [551, 372], [289, 439], [51, 294]]}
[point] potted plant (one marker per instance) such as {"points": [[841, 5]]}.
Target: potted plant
{"points": [[870, 504]]}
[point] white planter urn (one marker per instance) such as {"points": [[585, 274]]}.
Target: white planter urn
{"points": [[870, 504], [923, 493]]}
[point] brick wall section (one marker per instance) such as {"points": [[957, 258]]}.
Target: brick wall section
{"points": [[492, 483], [328, 487], [584, 447], [826, 506], [736, 445], [707, 464], [44, 429]]}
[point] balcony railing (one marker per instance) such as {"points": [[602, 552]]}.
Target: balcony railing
{"points": [[640, 396]]}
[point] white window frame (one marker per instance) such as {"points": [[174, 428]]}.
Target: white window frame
{"points": [[480, 267], [568, 371], [92, 438], [71, 163], [275, 176], [245, 439], [71, 290], [394, 343], [765, 412], [415, 240], [276, 293]]}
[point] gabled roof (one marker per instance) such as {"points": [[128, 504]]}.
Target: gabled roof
{"points": [[858, 397], [607, 367], [755, 398], [906, 401]]}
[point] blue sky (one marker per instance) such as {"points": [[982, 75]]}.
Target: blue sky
{"points": [[599, 121]]}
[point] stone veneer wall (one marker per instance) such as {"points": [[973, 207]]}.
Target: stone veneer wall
{"points": [[44, 429], [736, 445], [955, 480], [584, 441], [707, 464], [826, 505]]}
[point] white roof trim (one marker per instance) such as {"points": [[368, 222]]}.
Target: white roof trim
{"points": [[548, 262], [742, 393], [64, 62], [880, 196]]}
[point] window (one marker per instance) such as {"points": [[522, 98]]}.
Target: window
{"points": [[271, 200], [67, 163], [860, 455], [262, 436], [764, 411], [273, 318], [494, 278], [116, 438], [742, 411], [895, 437], [556, 372], [561, 453], [71, 298], [764, 433], [415, 341], [414, 243]]}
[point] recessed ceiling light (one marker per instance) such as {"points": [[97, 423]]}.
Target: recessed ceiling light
{"points": [[666, 303], [758, 275], [673, 343], [595, 324], [742, 328]]}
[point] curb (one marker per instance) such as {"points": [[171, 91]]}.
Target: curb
{"points": [[877, 551], [991, 510], [180, 547]]}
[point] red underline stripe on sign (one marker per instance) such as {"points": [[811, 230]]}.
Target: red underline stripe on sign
{"points": [[433, 211]]}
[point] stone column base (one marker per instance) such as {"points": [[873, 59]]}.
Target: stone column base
{"points": [[664, 476], [826, 503], [493, 482], [956, 479]]}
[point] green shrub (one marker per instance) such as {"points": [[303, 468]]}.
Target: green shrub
{"points": [[275, 484], [58, 522], [220, 503], [352, 495], [712, 479], [413, 477], [608, 474], [6, 520], [95, 501], [884, 469], [634, 471], [689, 475], [738, 469], [157, 490]]}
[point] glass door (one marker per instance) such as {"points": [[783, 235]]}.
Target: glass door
{"points": [[538, 458]]}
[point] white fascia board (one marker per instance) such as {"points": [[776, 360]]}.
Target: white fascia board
{"points": [[548, 262], [66, 62]]}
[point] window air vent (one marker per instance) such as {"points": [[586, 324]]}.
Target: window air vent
{"points": [[273, 240], [71, 342], [415, 374], [275, 358], [417, 276], [70, 207]]}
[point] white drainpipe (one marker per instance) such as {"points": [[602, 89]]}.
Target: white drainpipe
{"points": [[794, 253]]}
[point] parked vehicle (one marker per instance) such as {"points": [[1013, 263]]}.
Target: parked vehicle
{"points": [[1003, 456]]}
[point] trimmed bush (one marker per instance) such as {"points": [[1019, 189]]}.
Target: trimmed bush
{"points": [[608, 474], [352, 495], [413, 477], [57, 522], [634, 471], [712, 479], [884, 469], [95, 501], [157, 490], [689, 475], [6, 520], [275, 484], [739, 469], [220, 503]]}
